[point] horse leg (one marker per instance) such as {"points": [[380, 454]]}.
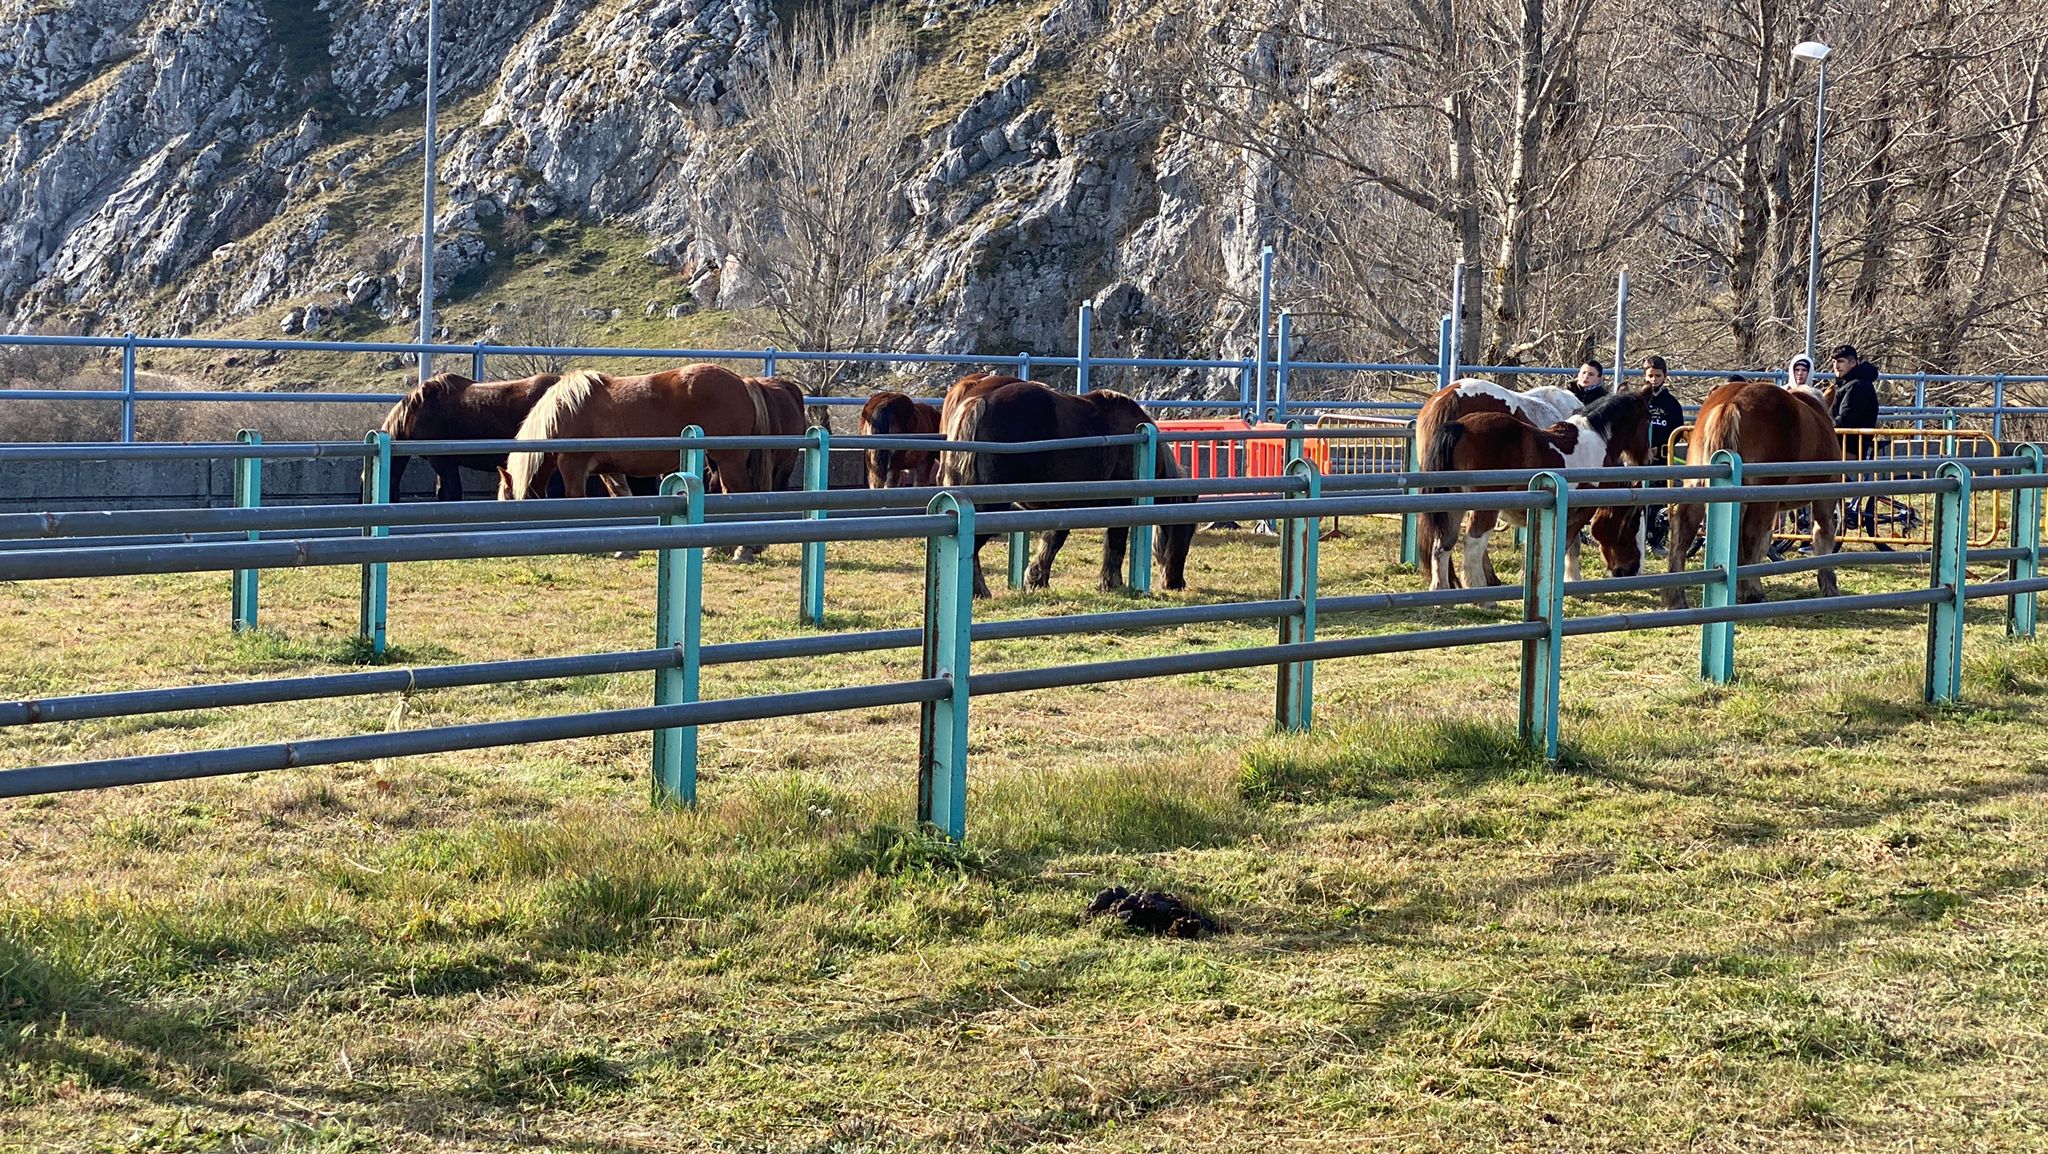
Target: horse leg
{"points": [[980, 582], [1039, 574], [1477, 530], [1824, 544], [447, 481], [1115, 542], [616, 485], [1575, 545], [731, 467], [1684, 528], [1757, 524]]}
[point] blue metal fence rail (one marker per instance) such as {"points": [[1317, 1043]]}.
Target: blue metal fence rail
{"points": [[947, 684]]}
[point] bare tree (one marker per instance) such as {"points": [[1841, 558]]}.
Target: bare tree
{"points": [[812, 185]]}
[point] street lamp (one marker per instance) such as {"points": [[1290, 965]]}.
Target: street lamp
{"points": [[1816, 52], [427, 228]]}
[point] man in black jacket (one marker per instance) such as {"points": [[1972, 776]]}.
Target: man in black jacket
{"points": [[1853, 405], [1666, 414]]}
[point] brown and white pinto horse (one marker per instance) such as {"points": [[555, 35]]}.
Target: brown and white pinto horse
{"points": [[1542, 406], [1761, 422], [1614, 430], [894, 415], [1027, 411], [451, 407]]}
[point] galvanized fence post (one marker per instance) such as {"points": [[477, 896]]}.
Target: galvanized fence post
{"points": [[1543, 600], [2025, 534], [948, 626], [248, 474], [817, 479], [128, 390], [1023, 366], [768, 361], [476, 362], [1084, 326], [1920, 400], [1998, 408], [1723, 552], [1244, 393], [1295, 690], [1951, 563], [375, 590], [1144, 467], [678, 625], [1280, 366]]}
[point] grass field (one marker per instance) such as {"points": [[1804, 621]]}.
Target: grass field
{"points": [[1801, 913]]}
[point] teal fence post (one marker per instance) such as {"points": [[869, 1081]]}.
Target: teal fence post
{"points": [[375, 592], [248, 474], [1020, 551], [678, 625], [1409, 556], [1723, 552], [948, 623], [2026, 534], [692, 458], [817, 479], [1144, 467], [1295, 691], [1543, 600], [1951, 561]]}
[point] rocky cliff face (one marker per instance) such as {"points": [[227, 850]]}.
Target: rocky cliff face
{"points": [[181, 166]]}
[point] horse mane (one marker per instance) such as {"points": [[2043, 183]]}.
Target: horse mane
{"points": [[562, 400], [432, 392]]}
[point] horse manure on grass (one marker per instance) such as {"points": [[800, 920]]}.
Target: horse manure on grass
{"points": [[1151, 912]]}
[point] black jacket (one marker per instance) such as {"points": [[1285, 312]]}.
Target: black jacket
{"points": [[1856, 398], [1666, 414]]}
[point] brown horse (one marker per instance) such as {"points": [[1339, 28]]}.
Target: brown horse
{"points": [[960, 391], [451, 407], [892, 415], [1760, 421], [1542, 406], [1614, 430], [1027, 411]]}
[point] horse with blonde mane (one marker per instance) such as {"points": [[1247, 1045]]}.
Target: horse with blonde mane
{"points": [[591, 405]]}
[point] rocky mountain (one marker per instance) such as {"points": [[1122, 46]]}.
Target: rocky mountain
{"points": [[246, 166]]}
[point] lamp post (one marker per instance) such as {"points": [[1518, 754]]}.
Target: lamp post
{"points": [[427, 227], [1816, 52]]}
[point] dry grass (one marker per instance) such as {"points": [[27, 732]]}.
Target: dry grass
{"points": [[1801, 913]]}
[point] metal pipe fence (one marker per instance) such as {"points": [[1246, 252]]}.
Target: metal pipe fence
{"points": [[950, 525]]}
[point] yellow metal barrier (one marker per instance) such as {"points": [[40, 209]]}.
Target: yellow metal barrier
{"points": [[1901, 521], [1349, 458]]}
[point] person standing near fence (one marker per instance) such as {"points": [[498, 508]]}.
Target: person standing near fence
{"points": [[1799, 372], [1592, 384], [1852, 402], [1666, 415]]}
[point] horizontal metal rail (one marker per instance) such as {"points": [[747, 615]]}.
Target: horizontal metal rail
{"points": [[1765, 611], [446, 739], [1216, 660]]}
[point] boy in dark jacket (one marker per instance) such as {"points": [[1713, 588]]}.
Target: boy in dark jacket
{"points": [[1852, 402], [1666, 414]]}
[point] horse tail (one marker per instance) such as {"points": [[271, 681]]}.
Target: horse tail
{"points": [[549, 417], [1427, 422], [1437, 457], [958, 467], [1719, 428], [760, 462]]}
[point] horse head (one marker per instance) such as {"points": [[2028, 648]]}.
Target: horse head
{"points": [[1620, 531], [1622, 419]]}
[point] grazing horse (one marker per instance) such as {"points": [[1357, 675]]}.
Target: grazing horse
{"points": [[1613, 430], [895, 415], [1760, 421], [960, 391], [1028, 411], [451, 407], [589, 404], [1542, 406]]}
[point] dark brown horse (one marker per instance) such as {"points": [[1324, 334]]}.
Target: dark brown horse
{"points": [[895, 415], [451, 407], [1761, 422], [1614, 430], [1026, 411]]}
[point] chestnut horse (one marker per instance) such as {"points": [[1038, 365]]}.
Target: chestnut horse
{"points": [[1760, 421], [971, 385], [1613, 430], [1027, 411], [1542, 406], [893, 415], [451, 407]]}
